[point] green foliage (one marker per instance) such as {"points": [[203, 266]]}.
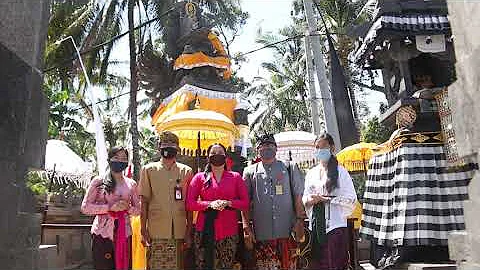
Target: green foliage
{"points": [[39, 185], [224, 14], [359, 180], [341, 17], [63, 121], [148, 145], [239, 82], [375, 132], [81, 142], [283, 94], [89, 23], [115, 133]]}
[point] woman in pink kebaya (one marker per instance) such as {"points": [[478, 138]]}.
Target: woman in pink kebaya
{"points": [[112, 199]]}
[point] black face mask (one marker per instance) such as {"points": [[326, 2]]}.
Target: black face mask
{"points": [[118, 166], [217, 160], [168, 152]]}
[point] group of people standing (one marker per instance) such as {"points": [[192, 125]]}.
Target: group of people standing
{"points": [[272, 197]]}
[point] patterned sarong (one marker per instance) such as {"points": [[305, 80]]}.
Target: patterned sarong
{"points": [[225, 251], [275, 254], [413, 197], [165, 254]]}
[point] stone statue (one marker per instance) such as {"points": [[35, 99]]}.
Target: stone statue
{"points": [[193, 55]]}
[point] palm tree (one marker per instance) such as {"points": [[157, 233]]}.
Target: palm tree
{"points": [[92, 22], [339, 16], [133, 90], [283, 94], [89, 23]]}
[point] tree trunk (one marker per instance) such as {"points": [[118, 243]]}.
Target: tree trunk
{"points": [[133, 92], [344, 48]]}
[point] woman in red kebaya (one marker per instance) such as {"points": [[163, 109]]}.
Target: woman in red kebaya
{"points": [[217, 194]]}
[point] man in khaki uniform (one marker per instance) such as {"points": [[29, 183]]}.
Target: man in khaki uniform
{"points": [[165, 224]]}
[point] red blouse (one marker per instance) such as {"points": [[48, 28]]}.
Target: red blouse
{"points": [[231, 188]]}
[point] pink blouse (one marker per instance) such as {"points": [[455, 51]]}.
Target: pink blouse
{"points": [[97, 202], [231, 188]]}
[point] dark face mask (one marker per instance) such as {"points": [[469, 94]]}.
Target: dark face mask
{"points": [[217, 160], [168, 152], [267, 153], [118, 166]]}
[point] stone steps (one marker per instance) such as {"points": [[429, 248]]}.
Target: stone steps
{"points": [[427, 266], [413, 266]]}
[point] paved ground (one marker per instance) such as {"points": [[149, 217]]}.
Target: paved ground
{"points": [[86, 266]]}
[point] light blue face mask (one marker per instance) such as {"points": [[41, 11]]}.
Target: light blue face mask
{"points": [[323, 154]]}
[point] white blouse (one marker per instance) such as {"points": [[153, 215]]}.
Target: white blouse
{"points": [[337, 209]]}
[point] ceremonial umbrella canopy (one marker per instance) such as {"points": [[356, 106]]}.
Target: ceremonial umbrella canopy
{"points": [[355, 157], [296, 146], [62, 165], [198, 129]]}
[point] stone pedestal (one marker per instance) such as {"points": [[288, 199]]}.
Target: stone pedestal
{"points": [[465, 94], [23, 127]]}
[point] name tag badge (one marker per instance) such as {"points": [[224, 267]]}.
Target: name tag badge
{"points": [[278, 189], [177, 190], [178, 193]]}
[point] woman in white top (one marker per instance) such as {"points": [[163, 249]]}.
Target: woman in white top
{"points": [[329, 198]]}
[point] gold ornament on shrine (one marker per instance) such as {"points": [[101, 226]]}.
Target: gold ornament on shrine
{"points": [[190, 9]]}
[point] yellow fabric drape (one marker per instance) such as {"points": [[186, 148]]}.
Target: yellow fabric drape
{"points": [[180, 103], [217, 44], [357, 213], [188, 138], [355, 166], [199, 59], [139, 255]]}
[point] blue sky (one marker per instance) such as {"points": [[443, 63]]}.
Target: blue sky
{"points": [[269, 15]]}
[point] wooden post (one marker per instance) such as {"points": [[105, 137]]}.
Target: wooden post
{"points": [[352, 246], [315, 54], [199, 151]]}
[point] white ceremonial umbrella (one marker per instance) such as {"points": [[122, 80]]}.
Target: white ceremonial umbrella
{"points": [[65, 165], [296, 146]]}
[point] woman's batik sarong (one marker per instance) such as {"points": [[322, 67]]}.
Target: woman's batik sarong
{"points": [[165, 254], [225, 251], [276, 254]]}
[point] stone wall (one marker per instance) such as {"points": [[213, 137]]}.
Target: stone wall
{"points": [[72, 243], [465, 95], [23, 126]]}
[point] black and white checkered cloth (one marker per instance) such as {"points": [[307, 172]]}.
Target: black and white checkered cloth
{"points": [[413, 197]]}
